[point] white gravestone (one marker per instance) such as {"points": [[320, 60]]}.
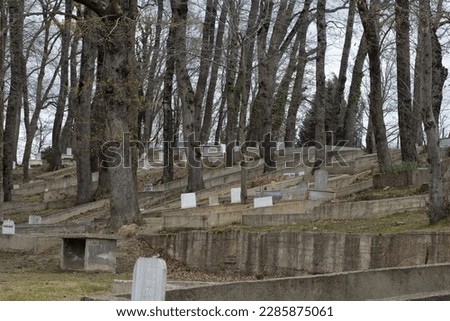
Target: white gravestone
{"points": [[188, 200], [34, 219], [149, 280], [235, 195], [9, 227], [321, 180], [289, 175], [148, 187], [263, 202], [69, 151]]}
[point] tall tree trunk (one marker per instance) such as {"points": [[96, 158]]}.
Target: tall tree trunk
{"points": [[338, 98], [319, 135], [186, 93], [150, 107], [354, 95], [436, 208], [3, 36], [83, 111], [405, 112], [169, 129], [205, 59], [370, 25], [55, 160], [297, 90], [117, 38], [439, 75], [217, 58], [67, 130], [244, 79], [232, 111], [16, 22], [42, 90]]}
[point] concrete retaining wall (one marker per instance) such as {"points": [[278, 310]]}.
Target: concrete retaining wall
{"points": [[28, 243], [207, 217], [369, 209], [354, 286], [291, 253], [404, 178]]}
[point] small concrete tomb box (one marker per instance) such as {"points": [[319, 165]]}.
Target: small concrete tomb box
{"points": [[149, 280], [188, 200], [89, 252], [8, 227]]}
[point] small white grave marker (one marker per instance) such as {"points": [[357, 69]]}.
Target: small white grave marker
{"points": [[235, 195], [38, 156], [34, 219], [214, 200], [301, 173], [69, 151], [149, 280], [8, 227], [289, 175], [16, 186], [14, 165], [263, 202], [148, 187], [188, 200]]}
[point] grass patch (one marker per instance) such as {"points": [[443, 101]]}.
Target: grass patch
{"points": [[397, 223], [392, 192], [45, 286], [401, 167]]}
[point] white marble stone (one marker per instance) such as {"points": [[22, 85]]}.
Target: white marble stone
{"points": [[149, 280], [263, 202], [188, 200], [8, 227], [235, 195], [34, 219]]}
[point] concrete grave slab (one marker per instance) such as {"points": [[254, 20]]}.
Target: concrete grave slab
{"points": [[149, 280], [321, 195], [188, 200]]}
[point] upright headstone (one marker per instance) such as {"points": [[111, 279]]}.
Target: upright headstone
{"points": [[149, 280], [34, 219], [69, 151], [8, 227], [148, 187], [262, 202], [38, 156], [214, 200], [321, 180], [289, 175], [188, 200], [235, 195], [14, 165]]}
